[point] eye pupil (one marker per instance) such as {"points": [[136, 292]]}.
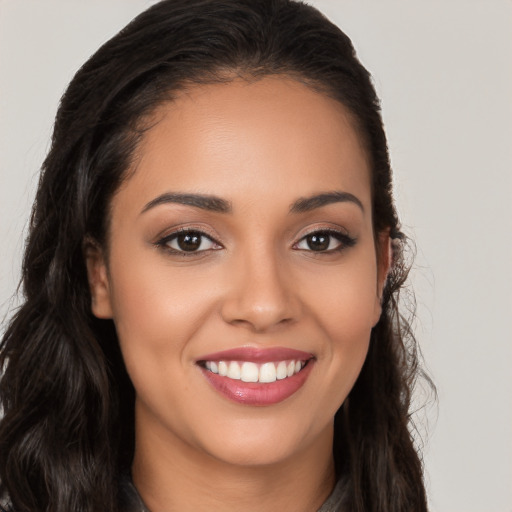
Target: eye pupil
{"points": [[189, 241], [318, 241]]}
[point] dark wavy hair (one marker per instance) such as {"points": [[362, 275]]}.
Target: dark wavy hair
{"points": [[67, 431]]}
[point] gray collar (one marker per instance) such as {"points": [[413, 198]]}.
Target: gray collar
{"points": [[336, 502]]}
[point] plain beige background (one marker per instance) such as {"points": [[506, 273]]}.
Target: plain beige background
{"points": [[443, 69]]}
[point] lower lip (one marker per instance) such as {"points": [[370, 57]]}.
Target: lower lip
{"points": [[255, 393]]}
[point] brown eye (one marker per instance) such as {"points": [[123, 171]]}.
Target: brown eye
{"points": [[318, 241], [188, 242], [325, 241]]}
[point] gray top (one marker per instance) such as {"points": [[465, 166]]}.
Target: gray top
{"points": [[130, 500], [336, 502]]}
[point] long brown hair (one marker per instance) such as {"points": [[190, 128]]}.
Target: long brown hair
{"points": [[67, 431]]}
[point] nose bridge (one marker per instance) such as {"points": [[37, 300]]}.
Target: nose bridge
{"points": [[261, 295]]}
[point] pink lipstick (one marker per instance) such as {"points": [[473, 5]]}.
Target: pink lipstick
{"points": [[254, 376]]}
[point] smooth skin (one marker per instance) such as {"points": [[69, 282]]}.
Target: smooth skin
{"points": [[255, 278]]}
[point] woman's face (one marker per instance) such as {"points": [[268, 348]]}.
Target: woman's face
{"points": [[242, 274]]}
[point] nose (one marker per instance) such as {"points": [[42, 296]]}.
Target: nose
{"points": [[261, 295]]}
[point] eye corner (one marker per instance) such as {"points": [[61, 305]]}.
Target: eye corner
{"points": [[188, 242], [325, 241]]}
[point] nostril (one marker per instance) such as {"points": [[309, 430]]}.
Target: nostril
{"points": [[260, 297], [259, 321]]}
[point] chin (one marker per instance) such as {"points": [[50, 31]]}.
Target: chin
{"points": [[258, 444]]}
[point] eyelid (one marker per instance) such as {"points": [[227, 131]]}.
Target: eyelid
{"points": [[162, 241], [345, 239]]}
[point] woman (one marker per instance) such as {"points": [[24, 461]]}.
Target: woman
{"points": [[211, 279]]}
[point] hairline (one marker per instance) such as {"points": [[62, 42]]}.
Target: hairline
{"points": [[150, 118]]}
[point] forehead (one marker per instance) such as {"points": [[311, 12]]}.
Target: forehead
{"points": [[274, 134]]}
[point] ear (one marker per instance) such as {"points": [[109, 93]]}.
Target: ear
{"points": [[97, 275], [384, 261]]}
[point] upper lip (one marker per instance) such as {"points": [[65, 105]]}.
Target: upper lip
{"points": [[258, 355]]}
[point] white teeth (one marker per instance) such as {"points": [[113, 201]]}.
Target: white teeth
{"points": [[234, 370], [223, 369], [250, 372], [268, 372], [281, 371]]}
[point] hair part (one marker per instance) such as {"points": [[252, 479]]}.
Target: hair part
{"points": [[67, 432]]}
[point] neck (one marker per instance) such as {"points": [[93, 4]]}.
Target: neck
{"points": [[172, 475]]}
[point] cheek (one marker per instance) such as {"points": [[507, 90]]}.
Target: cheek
{"points": [[155, 317], [345, 298], [345, 305], [156, 313]]}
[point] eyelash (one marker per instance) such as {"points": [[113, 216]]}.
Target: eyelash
{"points": [[166, 240], [345, 241]]}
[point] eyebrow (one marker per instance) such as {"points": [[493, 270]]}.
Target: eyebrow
{"points": [[205, 202], [306, 204], [219, 205]]}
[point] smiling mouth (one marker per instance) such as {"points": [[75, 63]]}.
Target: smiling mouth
{"points": [[257, 377], [248, 371]]}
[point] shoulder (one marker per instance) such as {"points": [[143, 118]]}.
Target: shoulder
{"points": [[338, 499], [5, 503], [5, 506], [129, 499]]}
